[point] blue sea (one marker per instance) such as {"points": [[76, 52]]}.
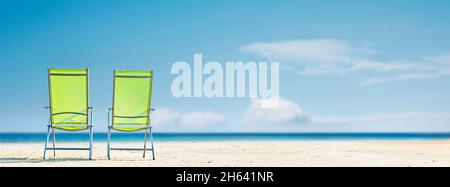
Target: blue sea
{"points": [[79, 137]]}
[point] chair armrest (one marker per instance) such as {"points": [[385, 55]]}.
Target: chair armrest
{"points": [[152, 109], [47, 107], [91, 108]]}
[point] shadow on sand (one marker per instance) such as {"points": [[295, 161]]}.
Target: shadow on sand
{"points": [[40, 160]]}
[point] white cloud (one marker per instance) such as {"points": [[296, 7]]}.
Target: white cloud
{"points": [[399, 118], [289, 117], [396, 122], [316, 57], [285, 112], [165, 117], [201, 119]]}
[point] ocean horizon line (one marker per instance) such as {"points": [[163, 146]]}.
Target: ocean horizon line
{"points": [[8, 137]]}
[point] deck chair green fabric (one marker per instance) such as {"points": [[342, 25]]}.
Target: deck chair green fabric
{"points": [[69, 105], [132, 92]]}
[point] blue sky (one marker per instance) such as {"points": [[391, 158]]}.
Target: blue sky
{"points": [[346, 66]]}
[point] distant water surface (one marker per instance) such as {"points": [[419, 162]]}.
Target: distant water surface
{"points": [[78, 137]]}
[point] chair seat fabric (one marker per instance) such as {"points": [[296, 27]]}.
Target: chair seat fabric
{"points": [[70, 128], [129, 129]]}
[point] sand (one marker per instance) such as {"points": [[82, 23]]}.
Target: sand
{"points": [[240, 153]]}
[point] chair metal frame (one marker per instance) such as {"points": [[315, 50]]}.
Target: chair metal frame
{"points": [[148, 129], [51, 125]]}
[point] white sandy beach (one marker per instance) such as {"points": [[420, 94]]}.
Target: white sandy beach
{"points": [[237, 153]]}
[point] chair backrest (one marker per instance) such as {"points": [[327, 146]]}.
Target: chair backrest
{"points": [[132, 97], [68, 93]]}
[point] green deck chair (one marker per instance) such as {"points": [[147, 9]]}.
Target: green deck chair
{"points": [[132, 92], [69, 105]]}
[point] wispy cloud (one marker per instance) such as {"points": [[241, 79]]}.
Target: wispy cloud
{"points": [[436, 66], [328, 56], [407, 76], [315, 51]]}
